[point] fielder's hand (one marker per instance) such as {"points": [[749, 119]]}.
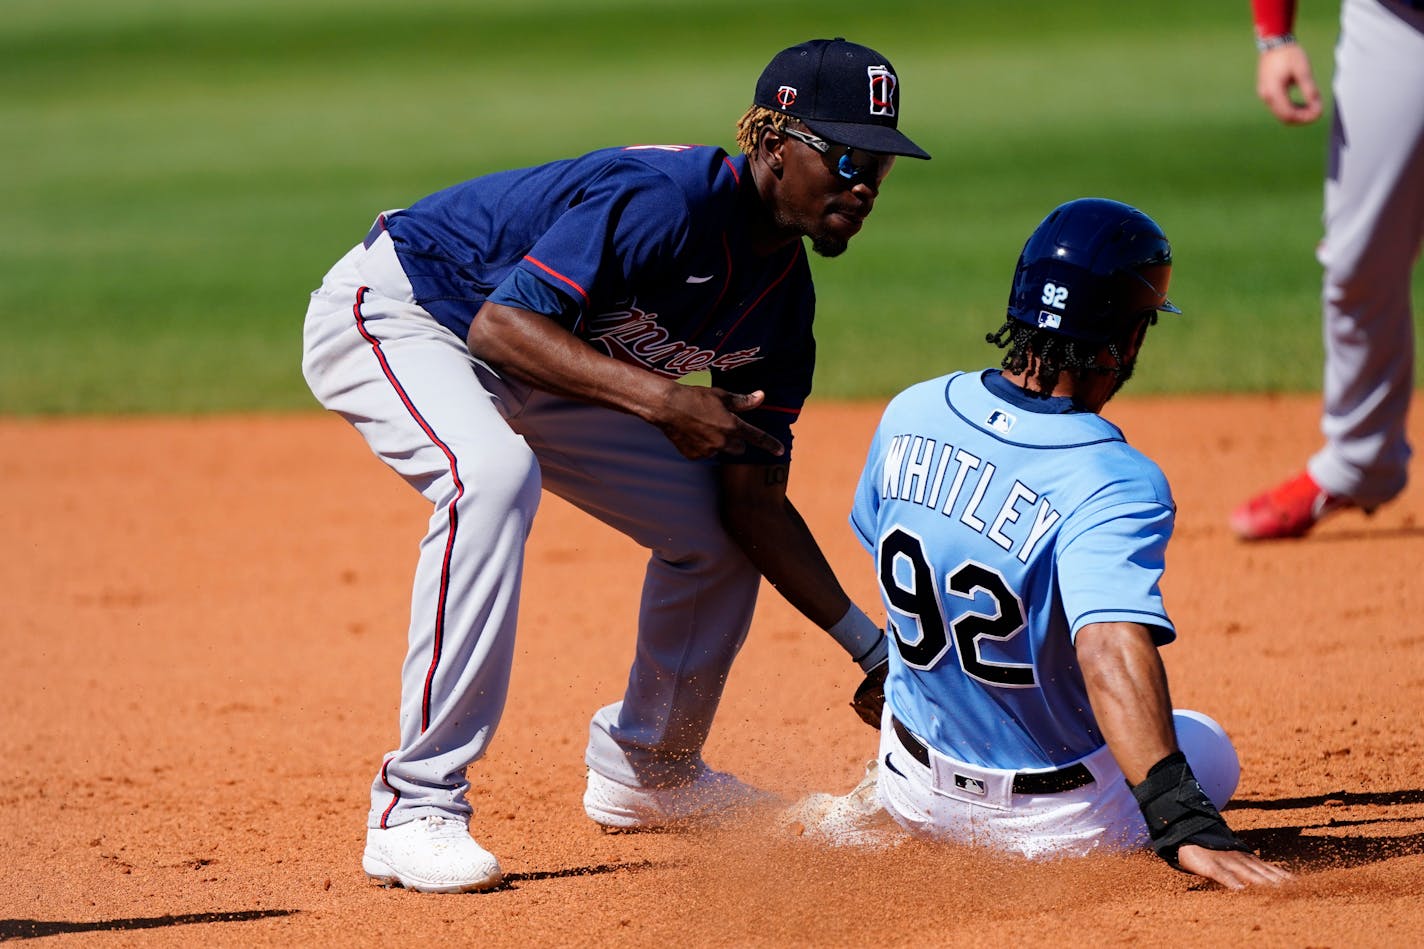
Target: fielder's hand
{"points": [[1282, 71], [701, 421], [869, 698]]}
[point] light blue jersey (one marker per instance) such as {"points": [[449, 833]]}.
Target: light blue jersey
{"points": [[1001, 524]]}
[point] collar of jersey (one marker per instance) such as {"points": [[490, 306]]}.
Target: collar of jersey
{"points": [[997, 385]]}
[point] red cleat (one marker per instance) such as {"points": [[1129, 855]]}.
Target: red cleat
{"points": [[1290, 509]]}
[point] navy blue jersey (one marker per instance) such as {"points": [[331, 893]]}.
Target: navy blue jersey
{"points": [[638, 250], [1001, 525]]}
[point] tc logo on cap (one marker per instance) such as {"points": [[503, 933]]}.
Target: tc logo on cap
{"points": [[882, 90], [785, 96]]}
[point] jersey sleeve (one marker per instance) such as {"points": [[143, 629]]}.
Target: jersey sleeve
{"points": [[1110, 567], [628, 221], [522, 289], [1273, 17]]}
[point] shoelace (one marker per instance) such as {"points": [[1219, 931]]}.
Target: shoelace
{"points": [[435, 825]]}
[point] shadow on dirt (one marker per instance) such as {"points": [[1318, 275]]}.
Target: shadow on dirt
{"points": [[579, 871], [1328, 843], [511, 879], [1368, 534], [1333, 798], [37, 928]]}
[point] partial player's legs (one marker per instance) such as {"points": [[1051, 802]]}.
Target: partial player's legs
{"points": [[411, 389], [699, 592], [962, 804], [1374, 225], [935, 798]]}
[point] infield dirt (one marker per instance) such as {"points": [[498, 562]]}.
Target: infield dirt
{"points": [[203, 627]]}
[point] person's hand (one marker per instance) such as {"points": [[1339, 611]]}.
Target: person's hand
{"points": [[701, 421], [1279, 73], [1233, 869], [869, 699]]}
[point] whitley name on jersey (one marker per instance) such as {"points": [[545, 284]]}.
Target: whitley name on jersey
{"points": [[955, 483]]}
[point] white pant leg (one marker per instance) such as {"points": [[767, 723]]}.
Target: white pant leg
{"points": [[699, 589], [1101, 816], [413, 391], [1374, 225]]}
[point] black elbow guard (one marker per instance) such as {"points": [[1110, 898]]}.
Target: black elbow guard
{"points": [[1178, 811]]}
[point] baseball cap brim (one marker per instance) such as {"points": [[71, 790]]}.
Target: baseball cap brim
{"points": [[871, 138]]}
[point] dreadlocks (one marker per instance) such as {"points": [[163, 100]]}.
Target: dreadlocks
{"points": [[1055, 353], [751, 123]]}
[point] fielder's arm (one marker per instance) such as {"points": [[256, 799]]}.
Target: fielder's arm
{"points": [[769, 529], [700, 421], [1127, 688], [1284, 81]]}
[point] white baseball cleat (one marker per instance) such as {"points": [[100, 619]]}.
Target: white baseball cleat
{"points": [[851, 820], [429, 854], [711, 796]]}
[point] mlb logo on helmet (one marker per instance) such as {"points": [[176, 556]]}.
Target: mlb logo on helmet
{"points": [[1049, 320]]}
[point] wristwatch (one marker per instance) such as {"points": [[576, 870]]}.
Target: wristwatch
{"points": [[1267, 43]]}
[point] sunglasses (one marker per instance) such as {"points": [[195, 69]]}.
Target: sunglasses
{"points": [[854, 165]]}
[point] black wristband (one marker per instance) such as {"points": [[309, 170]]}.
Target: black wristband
{"points": [[1178, 811]]}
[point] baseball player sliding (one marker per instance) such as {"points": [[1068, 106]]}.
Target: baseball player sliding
{"points": [[1019, 541], [527, 329]]}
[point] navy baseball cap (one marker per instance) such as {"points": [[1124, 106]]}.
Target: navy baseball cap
{"points": [[842, 91]]}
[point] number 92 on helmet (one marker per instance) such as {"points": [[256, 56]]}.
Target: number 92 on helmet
{"points": [[1091, 269]]}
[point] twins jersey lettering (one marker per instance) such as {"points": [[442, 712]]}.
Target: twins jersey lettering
{"points": [[637, 337], [1001, 524], [636, 250]]}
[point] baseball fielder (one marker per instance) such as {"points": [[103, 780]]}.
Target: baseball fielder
{"points": [[526, 330], [1019, 542], [1374, 229]]}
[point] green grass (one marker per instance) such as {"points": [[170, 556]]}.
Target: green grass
{"points": [[176, 177]]}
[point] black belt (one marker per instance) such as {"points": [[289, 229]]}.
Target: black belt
{"points": [[375, 232], [1025, 782]]}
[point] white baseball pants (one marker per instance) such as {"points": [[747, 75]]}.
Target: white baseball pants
{"points": [[951, 801]]}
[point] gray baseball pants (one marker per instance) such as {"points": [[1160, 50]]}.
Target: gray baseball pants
{"points": [[1374, 228]]}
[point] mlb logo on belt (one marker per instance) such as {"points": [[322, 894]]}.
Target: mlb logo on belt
{"points": [[1049, 320], [973, 785]]}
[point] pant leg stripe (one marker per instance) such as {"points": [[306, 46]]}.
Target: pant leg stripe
{"points": [[453, 513], [395, 793]]}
